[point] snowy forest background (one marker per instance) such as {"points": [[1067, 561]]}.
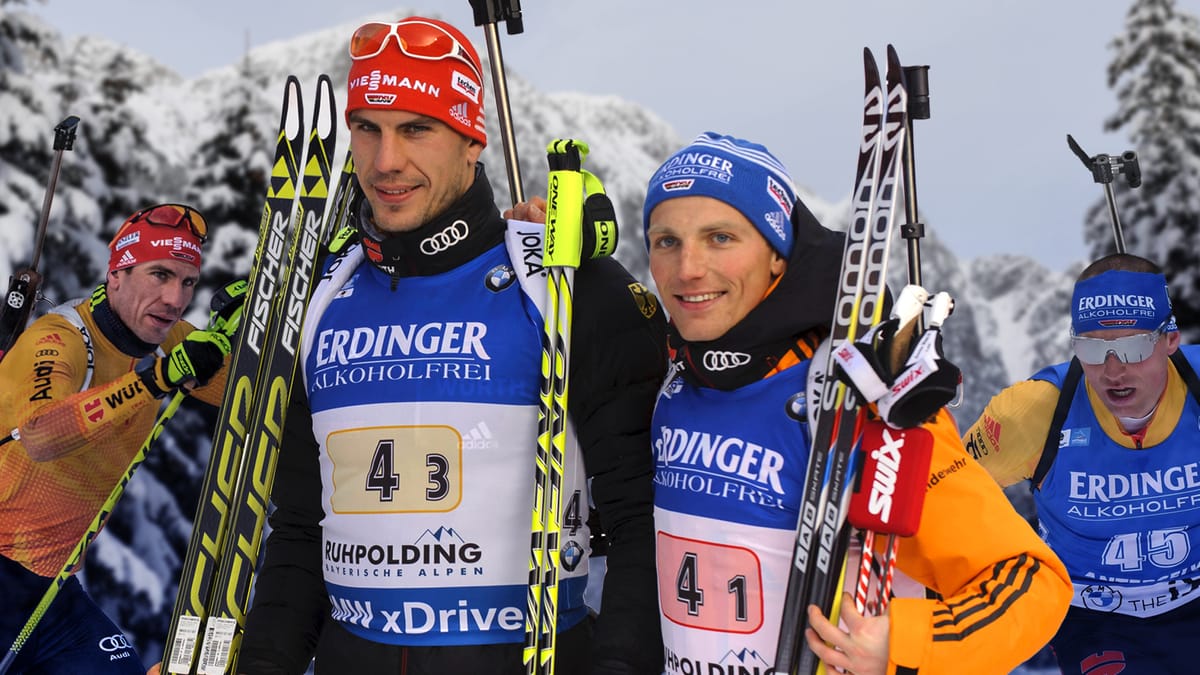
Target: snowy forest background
{"points": [[148, 135]]}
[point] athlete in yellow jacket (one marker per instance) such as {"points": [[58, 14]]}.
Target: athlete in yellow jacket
{"points": [[1117, 487], [79, 392]]}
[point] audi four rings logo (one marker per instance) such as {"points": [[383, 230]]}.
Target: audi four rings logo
{"points": [[114, 643], [454, 233], [715, 361]]}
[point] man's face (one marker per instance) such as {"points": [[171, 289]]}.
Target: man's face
{"points": [[1130, 389], [151, 297], [411, 167], [710, 264]]}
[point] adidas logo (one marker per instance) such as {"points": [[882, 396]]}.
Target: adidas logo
{"points": [[459, 112], [127, 258], [479, 438]]}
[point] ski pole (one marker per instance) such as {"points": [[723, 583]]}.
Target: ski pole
{"points": [[22, 288], [580, 220], [217, 322], [916, 81], [487, 14], [1104, 169]]}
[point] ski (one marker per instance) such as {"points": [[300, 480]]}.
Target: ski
{"points": [[215, 575], [229, 434], [341, 204], [230, 594], [822, 534]]}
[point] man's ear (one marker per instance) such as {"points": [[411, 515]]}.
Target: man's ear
{"points": [[1173, 340], [778, 264]]}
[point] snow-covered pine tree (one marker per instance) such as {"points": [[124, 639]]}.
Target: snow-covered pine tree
{"points": [[229, 176], [26, 136], [1155, 72]]}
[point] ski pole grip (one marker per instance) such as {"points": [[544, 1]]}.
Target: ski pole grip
{"points": [[1131, 168], [564, 204], [495, 11], [916, 80], [64, 133]]}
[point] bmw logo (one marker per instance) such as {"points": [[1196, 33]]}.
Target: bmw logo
{"points": [[797, 407], [499, 278], [1101, 598], [570, 556]]}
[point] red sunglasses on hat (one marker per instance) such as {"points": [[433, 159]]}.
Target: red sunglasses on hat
{"points": [[173, 215], [416, 39]]}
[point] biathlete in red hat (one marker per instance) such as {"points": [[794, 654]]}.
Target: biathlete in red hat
{"points": [[79, 392], [400, 538]]}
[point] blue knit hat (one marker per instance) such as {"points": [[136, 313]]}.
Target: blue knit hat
{"points": [[742, 174], [1122, 299]]}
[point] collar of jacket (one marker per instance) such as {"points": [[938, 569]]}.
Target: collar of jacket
{"points": [[470, 226], [115, 331], [802, 301]]}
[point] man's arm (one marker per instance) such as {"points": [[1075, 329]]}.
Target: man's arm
{"points": [[618, 363], [1008, 437], [290, 603], [1003, 592], [42, 376]]}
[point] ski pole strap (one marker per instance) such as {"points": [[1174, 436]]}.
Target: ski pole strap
{"points": [[1187, 373], [580, 218], [1050, 449]]}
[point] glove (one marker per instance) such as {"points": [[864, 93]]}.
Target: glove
{"points": [[908, 385], [226, 306], [192, 362]]}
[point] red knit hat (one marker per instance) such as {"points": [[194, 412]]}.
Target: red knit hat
{"points": [[162, 232], [419, 65]]}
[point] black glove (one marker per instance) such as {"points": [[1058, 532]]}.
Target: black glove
{"points": [[226, 306], [908, 382], [192, 362]]}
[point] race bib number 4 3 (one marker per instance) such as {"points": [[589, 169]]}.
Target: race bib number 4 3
{"points": [[402, 469]]}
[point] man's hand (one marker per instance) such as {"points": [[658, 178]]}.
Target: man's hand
{"points": [[226, 306], [532, 211], [192, 362], [861, 651]]}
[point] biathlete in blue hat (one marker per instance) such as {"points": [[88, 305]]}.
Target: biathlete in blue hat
{"points": [[748, 277], [1115, 471]]}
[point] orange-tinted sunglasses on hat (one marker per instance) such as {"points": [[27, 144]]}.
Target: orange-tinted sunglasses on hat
{"points": [[416, 39], [173, 215]]}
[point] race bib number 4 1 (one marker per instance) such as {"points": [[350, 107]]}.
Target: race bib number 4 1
{"points": [[709, 586]]}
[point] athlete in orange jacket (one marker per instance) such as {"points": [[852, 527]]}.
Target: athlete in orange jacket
{"points": [[79, 392]]}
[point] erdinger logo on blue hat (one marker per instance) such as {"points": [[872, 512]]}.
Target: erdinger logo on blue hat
{"points": [[742, 174], [1120, 299]]}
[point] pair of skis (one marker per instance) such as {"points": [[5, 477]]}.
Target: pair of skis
{"points": [[222, 555], [823, 531]]}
